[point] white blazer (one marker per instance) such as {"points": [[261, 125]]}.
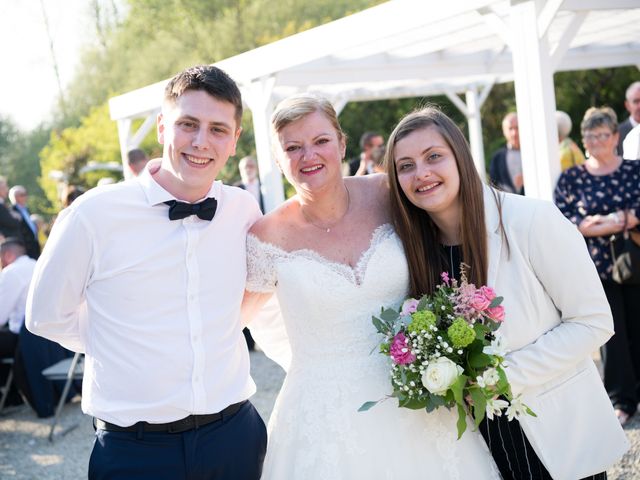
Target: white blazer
{"points": [[557, 315]]}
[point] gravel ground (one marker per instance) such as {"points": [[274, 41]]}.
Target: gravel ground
{"points": [[26, 453]]}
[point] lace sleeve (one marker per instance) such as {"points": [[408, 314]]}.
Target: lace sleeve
{"points": [[261, 271]]}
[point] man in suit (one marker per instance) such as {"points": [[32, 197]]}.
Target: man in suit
{"points": [[9, 219], [632, 104], [28, 229], [505, 169], [364, 163]]}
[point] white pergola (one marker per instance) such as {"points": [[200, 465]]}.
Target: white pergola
{"points": [[408, 48]]}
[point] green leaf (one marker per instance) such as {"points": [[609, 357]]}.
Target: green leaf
{"points": [[462, 420], [458, 388], [479, 359], [479, 404], [389, 315], [413, 403], [495, 302], [381, 326], [367, 405], [424, 301]]}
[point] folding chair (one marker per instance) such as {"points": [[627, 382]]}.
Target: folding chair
{"points": [[69, 369], [7, 386]]}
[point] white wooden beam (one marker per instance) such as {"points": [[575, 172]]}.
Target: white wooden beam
{"points": [[144, 129], [497, 24], [546, 16], [474, 120], [535, 101], [124, 134], [455, 99], [560, 48], [578, 5], [258, 97]]}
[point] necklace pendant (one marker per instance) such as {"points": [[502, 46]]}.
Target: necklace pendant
{"points": [[328, 230]]}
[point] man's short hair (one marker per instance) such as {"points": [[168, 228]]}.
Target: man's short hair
{"points": [[136, 155], [209, 79], [365, 139], [13, 244]]}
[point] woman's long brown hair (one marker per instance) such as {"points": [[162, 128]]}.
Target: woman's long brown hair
{"points": [[419, 234]]}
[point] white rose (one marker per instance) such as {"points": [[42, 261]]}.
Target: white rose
{"points": [[440, 375], [491, 377]]}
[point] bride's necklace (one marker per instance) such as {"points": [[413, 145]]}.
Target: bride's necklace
{"points": [[328, 229]]}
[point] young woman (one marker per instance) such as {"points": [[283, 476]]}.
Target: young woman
{"points": [[331, 256], [557, 313]]}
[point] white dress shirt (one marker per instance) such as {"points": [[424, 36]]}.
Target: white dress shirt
{"points": [[14, 285], [154, 303]]}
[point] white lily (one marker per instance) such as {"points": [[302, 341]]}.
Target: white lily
{"points": [[497, 347], [495, 406], [515, 409]]}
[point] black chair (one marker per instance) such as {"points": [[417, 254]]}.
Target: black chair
{"points": [[7, 385], [69, 369]]}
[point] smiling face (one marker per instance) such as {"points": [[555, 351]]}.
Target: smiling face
{"points": [[428, 174], [601, 143], [199, 133], [310, 152]]}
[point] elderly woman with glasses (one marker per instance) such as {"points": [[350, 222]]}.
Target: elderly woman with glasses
{"points": [[602, 197]]}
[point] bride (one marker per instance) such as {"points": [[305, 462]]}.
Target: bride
{"points": [[332, 258]]}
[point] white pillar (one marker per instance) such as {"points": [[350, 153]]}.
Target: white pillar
{"points": [[535, 100], [475, 131], [258, 98], [124, 135]]}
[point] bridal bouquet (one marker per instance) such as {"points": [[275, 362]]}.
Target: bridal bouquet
{"points": [[445, 351]]}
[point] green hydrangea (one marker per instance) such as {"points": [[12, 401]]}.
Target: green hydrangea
{"points": [[421, 320], [461, 333]]}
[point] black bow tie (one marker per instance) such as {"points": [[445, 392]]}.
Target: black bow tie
{"points": [[205, 210]]}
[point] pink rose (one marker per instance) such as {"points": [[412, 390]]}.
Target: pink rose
{"points": [[488, 292], [496, 313], [445, 277], [400, 351], [409, 306], [479, 302]]}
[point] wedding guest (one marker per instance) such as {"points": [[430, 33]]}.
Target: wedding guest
{"points": [[514, 244], [602, 198], [137, 159], [9, 220], [364, 164], [28, 229], [505, 168], [632, 104], [570, 153], [17, 270], [167, 371]]}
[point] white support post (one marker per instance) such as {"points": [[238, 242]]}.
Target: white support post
{"points": [[148, 124], [124, 135], [258, 98], [558, 51], [475, 131], [535, 100]]}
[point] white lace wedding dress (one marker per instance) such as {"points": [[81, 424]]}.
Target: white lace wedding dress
{"points": [[315, 430]]}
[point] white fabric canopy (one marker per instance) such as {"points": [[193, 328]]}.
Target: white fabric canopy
{"points": [[407, 48]]}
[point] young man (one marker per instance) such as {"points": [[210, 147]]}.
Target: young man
{"points": [[146, 277]]}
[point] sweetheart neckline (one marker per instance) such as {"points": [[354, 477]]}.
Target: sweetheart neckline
{"points": [[355, 274]]}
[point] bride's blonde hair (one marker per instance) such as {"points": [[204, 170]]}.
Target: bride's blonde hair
{"points": [[295, 107]]}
